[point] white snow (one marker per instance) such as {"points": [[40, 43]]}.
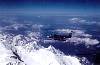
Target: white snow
{"points": [[6, 57], [44, 56]]}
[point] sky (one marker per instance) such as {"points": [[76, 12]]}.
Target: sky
{"points": [[61, 7]]}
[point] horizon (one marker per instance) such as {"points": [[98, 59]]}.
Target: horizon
{"points": [[50, 7]]}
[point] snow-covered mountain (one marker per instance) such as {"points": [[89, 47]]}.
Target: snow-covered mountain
{"points": [[25, 50]]}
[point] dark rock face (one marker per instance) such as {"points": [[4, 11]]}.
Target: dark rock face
{"points": [[17, 56]]}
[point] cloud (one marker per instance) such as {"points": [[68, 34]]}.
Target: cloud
{"points": [[79, 37]]}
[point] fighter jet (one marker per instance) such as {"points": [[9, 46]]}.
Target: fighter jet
{"points": [[60, 37]]}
